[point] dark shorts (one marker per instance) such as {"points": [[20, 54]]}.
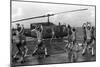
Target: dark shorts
{"points": [[69, 39], [89, 41], [21, 45]]}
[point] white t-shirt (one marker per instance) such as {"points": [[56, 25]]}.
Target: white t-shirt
{"points": [[39, 34], [21, 30], [73, 35], [88, 33]]}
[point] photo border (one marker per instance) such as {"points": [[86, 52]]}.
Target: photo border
{"points": [[45, 3]]}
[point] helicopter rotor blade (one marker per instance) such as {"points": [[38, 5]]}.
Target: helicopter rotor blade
{"points": [[29, 18], [33, 18], [48, 15], [70, 11]]}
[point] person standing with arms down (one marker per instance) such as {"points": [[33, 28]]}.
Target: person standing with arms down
{"points": [[69, 33], [74, 36], [84, 32]]}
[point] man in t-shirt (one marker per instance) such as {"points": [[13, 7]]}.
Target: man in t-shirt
{"points": [[88, 37], [69, 33], [20, 43], [93, 40], [88, 34], [84, 26], [38, 30], [84, 32], [74, 35]]}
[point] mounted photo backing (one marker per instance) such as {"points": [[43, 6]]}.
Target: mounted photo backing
{"points": [[52, 33]]}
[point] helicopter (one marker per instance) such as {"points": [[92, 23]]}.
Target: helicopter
{"points": [[50, 30]]}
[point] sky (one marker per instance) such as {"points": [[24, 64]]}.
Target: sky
{"points": [[22, 10]]}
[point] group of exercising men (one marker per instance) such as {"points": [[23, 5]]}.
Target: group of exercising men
{"points": [[88, 38], [88, 41], [20, 41]]}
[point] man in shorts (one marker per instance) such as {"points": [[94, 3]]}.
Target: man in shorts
{"points": [[93, 40], [20, 43], [88, 38], [38, 30], [84, 32]]}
